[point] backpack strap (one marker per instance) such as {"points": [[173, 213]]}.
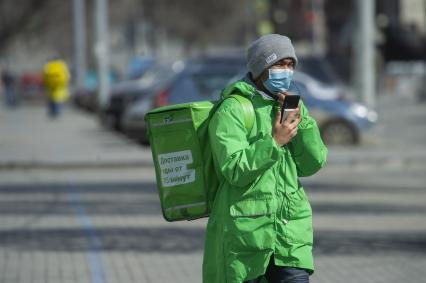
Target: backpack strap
{"points": [[248, 111]]}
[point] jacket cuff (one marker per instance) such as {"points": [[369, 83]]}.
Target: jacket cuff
{"points": [[306, 123]]}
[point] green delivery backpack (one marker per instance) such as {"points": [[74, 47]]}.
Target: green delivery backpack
{"points": [[186, 178]]}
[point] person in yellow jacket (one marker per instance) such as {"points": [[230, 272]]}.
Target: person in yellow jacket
{"points": [[56, 79]]}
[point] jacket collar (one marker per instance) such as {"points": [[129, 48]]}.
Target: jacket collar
{"points": [[246, 87], [247, 79]]}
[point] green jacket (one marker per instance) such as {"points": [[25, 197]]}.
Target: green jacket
{"points": [[260, 208]]}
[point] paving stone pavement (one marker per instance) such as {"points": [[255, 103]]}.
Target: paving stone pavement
{"points": [[79, 226], [91, 213]]}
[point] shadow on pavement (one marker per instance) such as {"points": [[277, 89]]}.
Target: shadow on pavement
{"points": [[189, 239], [140, 188], [140, 199], [356, 188], [144, 239], [106, 199], [360, 209], [338, 242]]}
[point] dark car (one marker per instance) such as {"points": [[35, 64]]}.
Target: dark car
{"points": [[125, 93], [194, 80], [340, 121], [86, 97]]}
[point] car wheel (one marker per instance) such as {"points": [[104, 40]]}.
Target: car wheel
{"points": [[104, 119], [339, 132]]}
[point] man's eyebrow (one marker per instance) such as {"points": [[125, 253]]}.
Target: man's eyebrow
{"points": [[285, 61]]}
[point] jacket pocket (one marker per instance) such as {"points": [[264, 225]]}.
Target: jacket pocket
{"points": [[252, 208], [299, 226], [250, 226]]}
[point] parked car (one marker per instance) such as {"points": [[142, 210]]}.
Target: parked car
{"points": [[86, 97], [126, 92], [320, 69], [30, 86], [194, 80], [340, 120]]}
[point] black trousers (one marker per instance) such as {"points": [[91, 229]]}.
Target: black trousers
{"points": [[283, 274]]}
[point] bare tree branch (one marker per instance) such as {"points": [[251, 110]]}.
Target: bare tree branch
{"points": [[15, 20]]}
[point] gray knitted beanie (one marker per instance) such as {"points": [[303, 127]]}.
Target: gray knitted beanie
{"points": [[266, 51]]}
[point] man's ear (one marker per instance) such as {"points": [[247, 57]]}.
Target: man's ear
{"points": [[259, 81], [263, 76]]}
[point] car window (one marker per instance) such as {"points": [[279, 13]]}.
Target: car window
{"points": [[157, 76], [317, 89], [183, 90], [300, 88], [197, 86], [319, 69], [210, 85]]}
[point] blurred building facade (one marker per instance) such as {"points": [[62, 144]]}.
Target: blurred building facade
{"points": [[328, 27], [173, 29]]}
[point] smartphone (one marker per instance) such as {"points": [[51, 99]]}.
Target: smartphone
{"points": [[291, 102]]}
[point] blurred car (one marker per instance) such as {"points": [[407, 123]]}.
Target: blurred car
{"points": [[341, 122], [138, 66], [30, 86], [193, 80], [320, 69], [126, 93], [197, 79], [86, 97]]}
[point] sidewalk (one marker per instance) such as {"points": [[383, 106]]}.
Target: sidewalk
{"points": [[30, 140]]}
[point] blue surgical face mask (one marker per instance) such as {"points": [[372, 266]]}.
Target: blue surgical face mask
{"points": [[279, 80]]}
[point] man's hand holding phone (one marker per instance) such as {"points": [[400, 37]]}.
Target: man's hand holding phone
{"points": [[287, 119], [289, 104]]}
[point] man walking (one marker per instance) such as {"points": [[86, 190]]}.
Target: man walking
{"points": [[260, 227]]}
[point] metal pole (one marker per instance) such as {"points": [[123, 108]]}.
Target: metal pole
{"points": [[79, 17], [102, 52], [318, 27], [366, 70]]}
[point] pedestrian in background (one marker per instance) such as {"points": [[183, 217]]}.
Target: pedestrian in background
{"points": [[8, 82], [56, 79], [260, 227]]}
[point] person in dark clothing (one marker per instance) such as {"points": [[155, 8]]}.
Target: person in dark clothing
{"points": [[8, 82]]}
